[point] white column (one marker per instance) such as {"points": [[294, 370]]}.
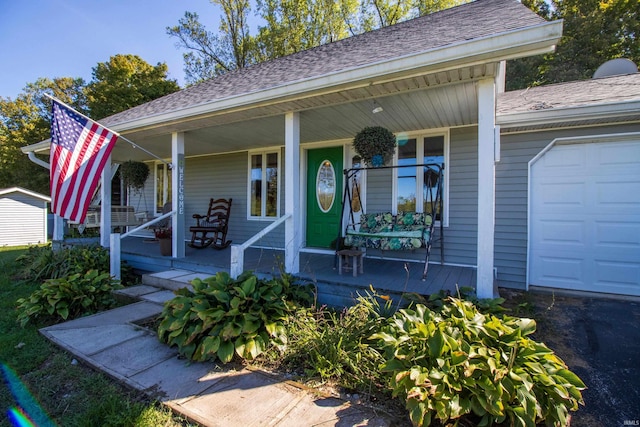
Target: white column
{"points": [[292, 232], [115, 256], [58, 232], [105, 205], [486, 186], [177, 196]]}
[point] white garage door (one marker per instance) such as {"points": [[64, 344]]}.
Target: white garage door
{"points": [[585, 217]]}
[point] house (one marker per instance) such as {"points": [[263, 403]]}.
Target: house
{"points": [[568, 186], [260, 136], [23, 217]]}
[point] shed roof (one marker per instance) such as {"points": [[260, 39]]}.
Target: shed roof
{"points": [[42, 197], [481, 18]]}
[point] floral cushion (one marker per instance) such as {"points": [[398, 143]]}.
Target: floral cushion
{"points": [[407, 231], [376, 223], [411, 221]]}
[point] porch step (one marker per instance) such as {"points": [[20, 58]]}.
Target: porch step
{"points": [[172, 280], [144, 293]]}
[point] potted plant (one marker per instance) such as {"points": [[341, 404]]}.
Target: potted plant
{"points": [[164, 237], [134, 174], [375, 144]]}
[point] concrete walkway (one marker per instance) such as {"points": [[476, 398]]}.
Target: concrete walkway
{"points": [[207, 393]]}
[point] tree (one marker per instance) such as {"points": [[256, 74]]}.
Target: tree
{"points": [[26, 120], [211, 54], [594, 32], [296, 25], [290, 26], [124, 82]]}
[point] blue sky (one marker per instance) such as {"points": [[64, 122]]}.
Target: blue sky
{"points": [[67, 38]]}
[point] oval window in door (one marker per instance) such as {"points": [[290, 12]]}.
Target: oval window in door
{"points": [[326, 186]]}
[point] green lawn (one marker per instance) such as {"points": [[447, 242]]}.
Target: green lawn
{"points": [[69, 393]]}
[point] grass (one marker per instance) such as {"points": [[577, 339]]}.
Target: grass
{"points": [[69, 393]]}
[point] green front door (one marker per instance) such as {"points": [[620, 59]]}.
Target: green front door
{"points": [[324, 196]]}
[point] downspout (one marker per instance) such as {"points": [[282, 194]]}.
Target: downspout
{"points": [[37, 161]]}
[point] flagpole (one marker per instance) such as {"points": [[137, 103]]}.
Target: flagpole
{"points": [[116, 133]]}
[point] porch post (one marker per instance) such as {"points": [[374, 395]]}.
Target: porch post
{"points": [[292, 233], [177, 194], [105, 205], [486, 186]]}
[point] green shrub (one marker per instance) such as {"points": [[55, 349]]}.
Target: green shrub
{"points": [[42, 262], [69, 297], [333, 346], [459, 363], [223, 316]]}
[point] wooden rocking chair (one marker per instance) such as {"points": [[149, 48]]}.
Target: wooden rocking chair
{"points": [[216, 222]]}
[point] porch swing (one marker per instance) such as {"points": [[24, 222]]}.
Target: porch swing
{"points": [[406, 230]]}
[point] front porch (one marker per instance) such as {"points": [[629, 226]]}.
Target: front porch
{"points": [[385, 275]]}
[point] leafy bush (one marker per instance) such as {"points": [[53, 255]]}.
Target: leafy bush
{"points": [[69, 297], [42, 262], [223, 316], [461, 363]]}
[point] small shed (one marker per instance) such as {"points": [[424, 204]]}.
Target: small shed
{"points": [[23, 217]]}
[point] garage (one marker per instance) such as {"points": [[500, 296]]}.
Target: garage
{"points": [[584, 215]]}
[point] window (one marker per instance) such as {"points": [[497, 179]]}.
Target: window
{"points": [[411, 193], [264, 189], [163, 186]]}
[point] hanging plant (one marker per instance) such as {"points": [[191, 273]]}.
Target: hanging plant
{"points": [[134, 174], [376, 145]]}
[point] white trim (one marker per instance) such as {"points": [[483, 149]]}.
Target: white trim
{"points": [[419, 136], [263, 207], [501, 46], [25, 191], [589, 139], [568, 114]]}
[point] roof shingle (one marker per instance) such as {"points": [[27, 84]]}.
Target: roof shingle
{"points": [[448, 27]]}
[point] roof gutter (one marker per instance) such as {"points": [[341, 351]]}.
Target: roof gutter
{"points": [[31, 150], [513, 44], [568, 114]]}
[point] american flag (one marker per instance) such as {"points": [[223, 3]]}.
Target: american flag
{"points": [[79, 150]]}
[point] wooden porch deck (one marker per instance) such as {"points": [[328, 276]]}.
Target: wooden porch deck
{"points": [[385, 275]]}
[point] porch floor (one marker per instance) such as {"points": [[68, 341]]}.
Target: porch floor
{"points": [[385, 275]]}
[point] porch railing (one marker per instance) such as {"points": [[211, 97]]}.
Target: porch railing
{"points": [[237, 251], [116, 238]]}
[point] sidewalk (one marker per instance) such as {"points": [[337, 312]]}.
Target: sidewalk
{"points": [[207, 393]]}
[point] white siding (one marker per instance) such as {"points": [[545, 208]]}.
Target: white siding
{"points": [[22, 220]]}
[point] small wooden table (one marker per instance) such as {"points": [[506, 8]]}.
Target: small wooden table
{"points": [[356, 261]]}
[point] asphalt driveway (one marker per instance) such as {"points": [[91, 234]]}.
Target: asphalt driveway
{"points": [[600, 341]]}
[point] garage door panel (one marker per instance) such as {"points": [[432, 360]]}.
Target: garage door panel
{"points": [[567, 233], [619, 155], [618, 194], [561, 271], [565, 195], [621, 234], [617, 272], [564, 158], [585, 218]]}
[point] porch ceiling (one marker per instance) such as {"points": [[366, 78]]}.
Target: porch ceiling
{"points": [[436, 100]]}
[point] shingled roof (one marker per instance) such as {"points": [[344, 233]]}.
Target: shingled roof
{"points": [[571, 94], [449, 27]]}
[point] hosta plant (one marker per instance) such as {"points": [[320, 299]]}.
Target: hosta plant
{"points": [[225, 316], [69, 297], [461, 364]]}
